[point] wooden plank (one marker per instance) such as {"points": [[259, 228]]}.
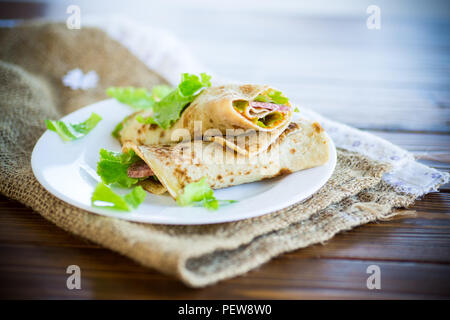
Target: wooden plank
{"points": [[22, 226], [412, 254], [430, 149], [39, 272], [417, 142], [423, 238]]}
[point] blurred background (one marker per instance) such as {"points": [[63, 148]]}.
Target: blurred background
{"points": [[320, 53]]}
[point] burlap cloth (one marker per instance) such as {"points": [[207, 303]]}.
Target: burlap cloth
{"points": [[33, 61]]}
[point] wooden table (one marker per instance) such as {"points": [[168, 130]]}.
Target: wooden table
{"points": [[393, 82]]}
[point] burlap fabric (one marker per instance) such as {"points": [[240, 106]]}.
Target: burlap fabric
{"points": [[33, 60]]}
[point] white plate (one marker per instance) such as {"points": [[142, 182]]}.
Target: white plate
{"points": [[68, 171]]}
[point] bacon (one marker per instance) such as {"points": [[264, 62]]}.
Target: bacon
{"points": [[269, 106], [139, 169]]}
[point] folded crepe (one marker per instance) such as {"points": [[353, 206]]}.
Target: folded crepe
{"points": [[301, 145], [218, 114]]}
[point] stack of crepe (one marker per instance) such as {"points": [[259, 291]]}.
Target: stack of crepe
{"points": [[225, 136]]}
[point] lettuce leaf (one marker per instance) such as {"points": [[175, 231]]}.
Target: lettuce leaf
{"points": [[272, 96], [104, 197], [190, 83], [200, 193], [168, 110], [159, 92], [113, 166], [139, 98], [69, 131], [117, 130]]}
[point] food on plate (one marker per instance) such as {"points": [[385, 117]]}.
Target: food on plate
{"points": [[216, 113], [113, 168], [196, 137], [139, 98], [302, 145], [165, 104], [152, 186], [70, 131], [104, 197], [200, 193]]}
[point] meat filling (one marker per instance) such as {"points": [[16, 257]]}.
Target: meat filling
{"points": [[139, 169]]}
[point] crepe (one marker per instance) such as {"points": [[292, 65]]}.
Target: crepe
{"points": [[152, 186], [218, 113], [302, 145]]}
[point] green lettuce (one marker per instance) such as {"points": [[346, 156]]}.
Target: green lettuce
{"points": [[168, 109], [272, 96], [104, 197], [159, 92], [70, 131], [240, 105], [200, 193], [139, 98], [117, 130], [113, 167]]}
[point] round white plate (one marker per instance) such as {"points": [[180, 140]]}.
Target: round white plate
{"points": [[68, 171]]}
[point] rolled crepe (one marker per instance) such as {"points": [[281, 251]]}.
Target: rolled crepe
{"points": [[223, 111], [302, 145]]}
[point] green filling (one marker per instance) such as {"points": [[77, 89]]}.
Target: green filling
{"points": [[271, 96], [240, 105], [270, 119], [265, 122]]}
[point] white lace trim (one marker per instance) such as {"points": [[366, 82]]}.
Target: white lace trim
{"points": [[407, 174]]}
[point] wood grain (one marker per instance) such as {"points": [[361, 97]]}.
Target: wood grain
{"points": [[413, 255]]}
